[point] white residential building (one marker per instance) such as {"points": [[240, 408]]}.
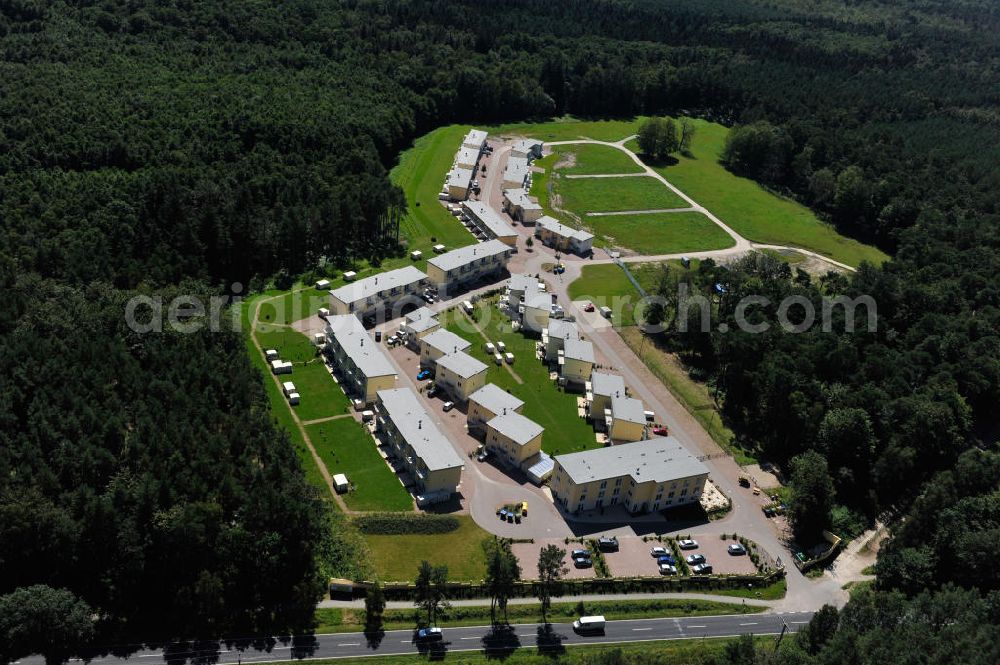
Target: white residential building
{"points": [[488, 223], [576, 361], [564, 238], [457, 183], [378, 292], [475, 139], [460, 267], [360, 363]]}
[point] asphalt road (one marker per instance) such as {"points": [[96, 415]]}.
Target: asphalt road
{"points": [[476, 638]]}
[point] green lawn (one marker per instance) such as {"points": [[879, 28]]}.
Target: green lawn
{"points": [[583, 195], [540, 183], [606, 285], [396, 558], [346, 447], [590, 158], [569, 128], [320, 396], [751, 210], [544, 402], [338, 620], [420, 173], [281, 412], [661, 233]]}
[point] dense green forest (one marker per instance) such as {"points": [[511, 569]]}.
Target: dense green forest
{"points": [[181, 146]]}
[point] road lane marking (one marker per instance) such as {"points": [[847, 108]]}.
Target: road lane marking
{"points": [[697, 626], [798, 622], [752, 623], [350, 644], [469, 638], [638, 629]]}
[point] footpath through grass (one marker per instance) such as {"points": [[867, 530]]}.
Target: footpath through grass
{"points": [[661, 233], [583, 195], [590, 159], [347, 447], [751, 210], [397, 558], [337, 620], [544, 402]]}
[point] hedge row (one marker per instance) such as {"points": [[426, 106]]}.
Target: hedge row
{"points": [[395, 524]]}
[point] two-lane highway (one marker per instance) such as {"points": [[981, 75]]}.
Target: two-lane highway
{"points": [[473, 638]]}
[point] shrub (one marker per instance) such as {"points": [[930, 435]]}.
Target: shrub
{"points": [[393, 524]]}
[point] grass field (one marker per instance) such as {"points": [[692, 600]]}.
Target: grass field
{"points": [[396, 558], [346, 447], [662, 233], [337, 620], [321, 397], [607, 286], [751, 210], [544, 402], [540, 183], [583, 195], [281, 411], [569, 129], [590, 159]]}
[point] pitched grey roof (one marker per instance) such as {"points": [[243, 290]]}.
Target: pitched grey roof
{"points": [[403, 408], [578, 350], [358, 345], [661, 460], [516, 427], [628, 409], [608, 385], [446, 341], [370, 286], [457, 258], [489, 218], [557, 227], [461, 364], [495, 399]]}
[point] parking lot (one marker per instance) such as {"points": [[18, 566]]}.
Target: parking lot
{"points": [[714, 549], [632, 559], [527, 556]]}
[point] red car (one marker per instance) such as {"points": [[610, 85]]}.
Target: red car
{"points": [[662, 431], [589, 307]]}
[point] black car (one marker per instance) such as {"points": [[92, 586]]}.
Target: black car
{"points": [[608, 544]]}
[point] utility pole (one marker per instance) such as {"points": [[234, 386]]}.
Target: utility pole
{"points": [[784, 629]]}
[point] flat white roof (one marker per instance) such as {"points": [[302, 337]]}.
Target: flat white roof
{"points": [[628, 409], [423, 312], [446, 341], [525, 145], [403, 408], [459, 177], [608, 385], [461, 364], [495, 399], [577, 349], [516, 169], [359, 346], [560, 229], [520, 197], [489, 218], [523, 283], [462, 256], [466, 155], [660, 461], [474, 138], [420, 325], [516, 427], [561, 329], [371, 286]]}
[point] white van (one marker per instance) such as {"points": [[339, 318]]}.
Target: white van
{"points": [[467, 306], [594, 624]]}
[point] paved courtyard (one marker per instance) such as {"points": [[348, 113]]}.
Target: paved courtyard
{"points": [[632, 559], [527, 556], [714, 549]]}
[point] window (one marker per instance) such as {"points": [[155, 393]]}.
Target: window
{"points": [[671, 495], [658, 496], [617, 489], [604, 484], [684, 491], [618, 481]]}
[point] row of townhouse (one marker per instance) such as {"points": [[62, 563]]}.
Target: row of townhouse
{"points": [[361, 366], [382, 292]]}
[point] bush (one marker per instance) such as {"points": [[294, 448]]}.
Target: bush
{"points": [[394, 524]]}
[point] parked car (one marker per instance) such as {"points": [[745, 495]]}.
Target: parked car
{"points": [[658, 551], [693, 559], [580, 554], [608, 544], [583, 563], [432, 634], [687, 544], [524, 508], [702, 569], [589, 307], [503, 514], [423, 374], [432, 391], [736, 549], [448, 406], [660, 431], [483, 455], [667, 569], [666, 558]]}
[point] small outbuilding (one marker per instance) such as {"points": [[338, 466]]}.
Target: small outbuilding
{"points": [[350, 276], [271, 354], [340, 483], [322, 284], [293, 398]]}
